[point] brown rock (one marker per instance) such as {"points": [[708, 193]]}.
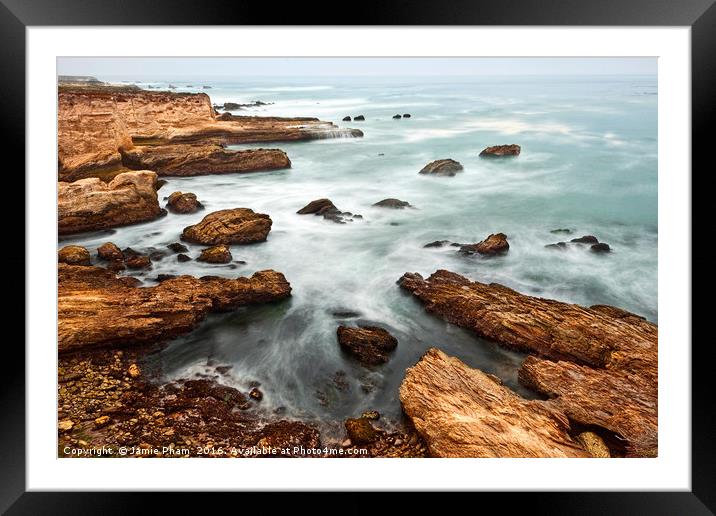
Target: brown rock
{"points": [[462, 412], [101, 421], [594, 445], [256, 394], [601, 366], [73, 255], [360, 431], [494, 244], [237, 226], [138, 262], [368, 344], [97, 308], [179, 202], [66, 425], [442, 167], [202, 159], [90, 204], [134, 371], [316, 206], [110, 252], [501, 151], [216, 254]]}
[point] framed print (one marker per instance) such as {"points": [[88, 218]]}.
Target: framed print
{"points": [[432, 251]]}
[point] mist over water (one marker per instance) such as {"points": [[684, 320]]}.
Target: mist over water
{"points": [[588, 163]]}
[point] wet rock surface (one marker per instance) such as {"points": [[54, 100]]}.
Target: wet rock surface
{"points": [[216, 254], [442, 167], [326, 209], [501, 151], [73, 255], [230, 227], [369, 344], [392, 203], [495, 244], [179, 202]]}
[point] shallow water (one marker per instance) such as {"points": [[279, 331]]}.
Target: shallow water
{"points": [[588, 163]]}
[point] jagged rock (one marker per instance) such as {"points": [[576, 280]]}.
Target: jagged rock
{"points": [[493, 245], [236, 226], [501, 151], [316, 206], [369, 344], [110, 252], [360, 431], [463, 412], [202, 159], [437, 243], [442, 167], [90, 204], [179, 202], [97, 308], [215, 254], [138, 262], [392, 203], [601, 361], [73, 255], [326, 209], [586, 239]]}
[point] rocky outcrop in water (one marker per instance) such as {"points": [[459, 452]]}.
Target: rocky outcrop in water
{"points": [[236, 226], [216, 254], [494, 244], [199, 160], [179, 202], [97, 308], [90, 204], [110, 252], [464, 412], [442, 167], [326, 209], [73, 255], [594, 244], [599, 363], [501, 151], [369, 344], [393, 203]]}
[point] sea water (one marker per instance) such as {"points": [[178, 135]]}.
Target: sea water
{"points": [[588, 164]]}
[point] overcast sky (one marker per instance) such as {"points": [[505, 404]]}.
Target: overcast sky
{"points": [[137, 67]]}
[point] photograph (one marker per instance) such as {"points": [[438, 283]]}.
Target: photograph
{"points": [[357, 257]]}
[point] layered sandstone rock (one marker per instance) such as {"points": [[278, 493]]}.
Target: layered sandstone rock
{"points": [[215, 254], [73, 255], [236, 226], [180, 202], [601, 361], [97, 308], [198, 159], [463, 412], [501, 151], [442, 167], [494, 244], [91, 204]]}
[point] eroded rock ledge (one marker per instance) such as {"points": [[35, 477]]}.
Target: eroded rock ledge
{"points": [[91, 204], [463, 412], [97, 308], [598, 364]]}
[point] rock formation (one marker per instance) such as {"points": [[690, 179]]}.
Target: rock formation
{"points": [[599, 363], [97, 308], [73, 255], [236, 226], [326, 209], [392, 203], [493, 245], [442, 167], [110, 252], [179, 202], [369, 344], [501, 151], [215, 254], [463, 412], [197, 159], [90, 204]]}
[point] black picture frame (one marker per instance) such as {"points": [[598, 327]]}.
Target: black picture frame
{"points": [[16, 15]]}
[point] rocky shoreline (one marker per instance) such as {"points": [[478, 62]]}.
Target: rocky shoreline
{"points": [[595, 367]]}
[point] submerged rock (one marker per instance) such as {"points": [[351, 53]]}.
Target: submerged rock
{"points": [[442, 167], [183, 258], [73, 255], [236, 226], [91, 204], [369, 344], [177, 247], [437, 243], [561, 231], [600, 248], [494, 244], [110, 252], [179, 202], [392, 203], [587, 239], [122, 313], [256, 394], [501, 151], [215, 254], [559, 245], [463, 412], [600, 362]]}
